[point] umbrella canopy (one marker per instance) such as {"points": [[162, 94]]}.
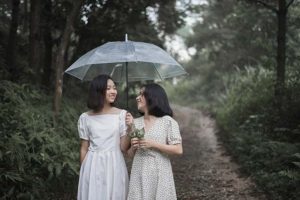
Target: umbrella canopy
{"points": [[126, 61]]}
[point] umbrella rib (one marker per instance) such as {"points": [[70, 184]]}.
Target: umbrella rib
{"points": [[86, 71], [157, 71], [131, 48]]}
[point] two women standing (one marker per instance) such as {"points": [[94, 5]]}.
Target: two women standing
{"points": [[103, 173]]}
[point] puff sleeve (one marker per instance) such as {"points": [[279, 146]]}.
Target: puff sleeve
{"points": [[122, 123], [82, 127], [173, 135]]}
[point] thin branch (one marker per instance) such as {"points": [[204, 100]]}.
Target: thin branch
{"points": [[290, 3], [268, 6]]}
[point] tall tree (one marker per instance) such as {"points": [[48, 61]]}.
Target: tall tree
{"points": [[61, 52], [12, 40], [229, 36], [35, 37], [48, 43], [25, 21], [110, 20], [281, 9]]}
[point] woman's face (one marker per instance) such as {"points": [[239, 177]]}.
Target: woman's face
{"points": [[141, 101], [111, 92]]}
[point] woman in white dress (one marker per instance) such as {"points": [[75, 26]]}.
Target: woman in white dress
{"points": [[151, 175], [103, 173]]}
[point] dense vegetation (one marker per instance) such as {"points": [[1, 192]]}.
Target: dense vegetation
{"points": [[38, 160], [234, 75]]}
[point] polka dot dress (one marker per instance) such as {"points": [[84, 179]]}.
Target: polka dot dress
{"points": [[151, 174]]}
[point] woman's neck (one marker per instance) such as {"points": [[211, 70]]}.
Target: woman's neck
{"points": [[149, 117], [106, 108]]}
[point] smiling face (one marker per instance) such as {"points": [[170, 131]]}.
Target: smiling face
{"points": [[141, 101], [111, 92]]}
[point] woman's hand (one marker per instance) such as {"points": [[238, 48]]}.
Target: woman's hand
{"points": [[129, 122], [147, 144], [128, 119], [135, 143], [84, 146]]}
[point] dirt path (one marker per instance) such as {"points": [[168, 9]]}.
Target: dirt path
{"points": [[205, 171]]}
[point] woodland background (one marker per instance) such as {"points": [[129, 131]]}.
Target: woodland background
{"points": [[244, 70]]}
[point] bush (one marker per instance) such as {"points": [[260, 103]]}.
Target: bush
{"points": [[247, 94], [267, 152], [38, 160]]}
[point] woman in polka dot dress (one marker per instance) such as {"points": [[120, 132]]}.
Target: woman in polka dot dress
{"points": [[151, 174]]}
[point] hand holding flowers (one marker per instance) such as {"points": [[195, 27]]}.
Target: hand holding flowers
{"points": [[137, 135]]}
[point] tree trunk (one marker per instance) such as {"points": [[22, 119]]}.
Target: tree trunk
{"points": [[62, 48], [47, 70], [35, 37], [12, 41], [281, 54], [25, 27]]}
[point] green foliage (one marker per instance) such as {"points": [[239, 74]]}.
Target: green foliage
{"points": [[247, 93], [268, 153], [38, 161], [232, 74], [110, 20], [184, 92]]}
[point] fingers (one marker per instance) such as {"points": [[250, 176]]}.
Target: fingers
{"points": [[128, 115], [128, 118], [134, 140], [135, 143], [143, 143]]}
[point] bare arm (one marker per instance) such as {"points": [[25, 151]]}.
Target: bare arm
{"points": [[84, 146], [134, 141], [124, 143], [170, 149], [131, 151], [133, 147]]}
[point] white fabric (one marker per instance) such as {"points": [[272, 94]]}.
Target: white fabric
{"points": [[103, 173]]}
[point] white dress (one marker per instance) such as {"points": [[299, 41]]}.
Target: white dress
{"points": [[103, 173], [151, 175]]}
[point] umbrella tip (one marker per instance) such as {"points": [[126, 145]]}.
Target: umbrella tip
{"points": [[126, 37]]}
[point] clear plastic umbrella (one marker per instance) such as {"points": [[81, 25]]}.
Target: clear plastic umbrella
{"points": [[126, 61]]}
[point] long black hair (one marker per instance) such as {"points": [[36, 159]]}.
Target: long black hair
{"points": [[157, 100], [97, 92]]}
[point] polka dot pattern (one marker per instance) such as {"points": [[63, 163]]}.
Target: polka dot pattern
{"points": [[151, 174]]}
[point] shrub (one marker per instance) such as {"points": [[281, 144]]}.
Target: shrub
{"points": [[38, 160], [267, 152]]}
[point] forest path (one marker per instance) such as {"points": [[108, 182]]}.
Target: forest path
{"points": [[205, 170]]}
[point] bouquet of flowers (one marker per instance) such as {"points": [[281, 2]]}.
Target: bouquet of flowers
{"points": [[137, 133]]}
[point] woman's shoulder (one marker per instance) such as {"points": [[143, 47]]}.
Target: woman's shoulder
{"points": [[116, 110], [169, 119], [83, 117], [84, 114]]}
